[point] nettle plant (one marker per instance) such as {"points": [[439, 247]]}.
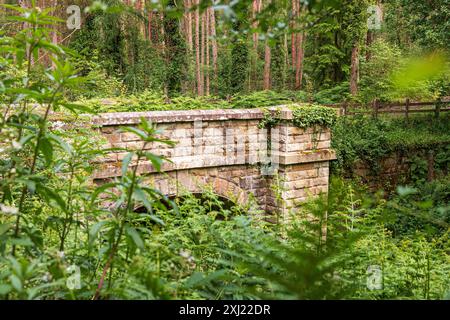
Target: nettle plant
{"points": [[50, 213], [29, 148], [28, 144], [125, 194]]}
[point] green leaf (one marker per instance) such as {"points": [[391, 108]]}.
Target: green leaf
{"points": [[135, 236], [26, 242], [141, 134], [5, 289], [141, 196], [51, 196], [46, 147], [101, 189], [156, 219], [16, 282], [405, 191], [4, 227], [76, 108], [155, 160], [27, 138], [95, 229], [61, 143], [125, 162]]}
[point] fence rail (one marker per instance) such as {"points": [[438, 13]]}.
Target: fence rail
{"points": [[406, 107]]}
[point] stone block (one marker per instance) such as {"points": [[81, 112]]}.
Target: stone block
{"points": [[128, 136]]}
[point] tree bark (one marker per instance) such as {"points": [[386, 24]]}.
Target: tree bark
{"points": [[149, 26], [354, 70], [299, 61], [55, 28], [188, 6], [369, 41], [202, 51], [197, 49], [267, 58], [164, 53], [214, 47], [293, 35], [207, 31], [253, 72], [256, 8]]}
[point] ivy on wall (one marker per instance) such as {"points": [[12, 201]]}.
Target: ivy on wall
{"points": [[304, 116], [312, 116]]}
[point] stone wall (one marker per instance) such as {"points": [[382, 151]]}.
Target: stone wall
{"points": [[396, 168], [225, 149]]}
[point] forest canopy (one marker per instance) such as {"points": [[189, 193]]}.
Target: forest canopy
{"points": [[330, 50]]}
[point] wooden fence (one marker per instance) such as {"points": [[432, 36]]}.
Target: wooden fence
{"points": [[405, 108]]}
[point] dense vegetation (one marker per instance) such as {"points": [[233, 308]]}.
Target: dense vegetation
{"points": [[364, 139], [57, 239]]}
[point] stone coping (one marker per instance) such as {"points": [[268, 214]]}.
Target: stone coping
{"points": [[170, 116]]}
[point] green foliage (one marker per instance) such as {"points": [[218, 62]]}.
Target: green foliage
{"points": [[174, 54], [364, 139], [423, 208], [304, 116], [98, 84], [313, 116], [238, 68], [376, 82], [335, 94], [304, 264], [154, 101], [422, 22], [271, 118], [266, 98], [419, 78]]}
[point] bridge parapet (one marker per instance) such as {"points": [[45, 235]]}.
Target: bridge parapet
{"points": [[227, 150]]}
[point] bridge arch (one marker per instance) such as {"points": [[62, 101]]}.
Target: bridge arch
{"points": [[199, 181]]}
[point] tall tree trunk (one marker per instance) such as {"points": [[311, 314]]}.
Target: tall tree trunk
{"points": [[214, 47], [294, 34], [139, 8], [202, 50], [188, 6], [207, 31], [354, 70], [55, 28], [253, 72], [164, 53], [149, 26], [267, 58], [256, 8], [299, 62], [197, 49], [286, 50], [189, 40], [369, 41]]}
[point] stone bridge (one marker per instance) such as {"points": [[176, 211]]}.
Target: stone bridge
{"points": [[226, 151]]}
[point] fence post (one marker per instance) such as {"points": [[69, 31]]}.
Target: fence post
{"points": [[407, 110], [375, 108], [430, 162], [437, 108], [344, 108]]}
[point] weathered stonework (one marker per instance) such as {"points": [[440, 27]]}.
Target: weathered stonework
{"points": [[225, 150], [395, 168]]}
